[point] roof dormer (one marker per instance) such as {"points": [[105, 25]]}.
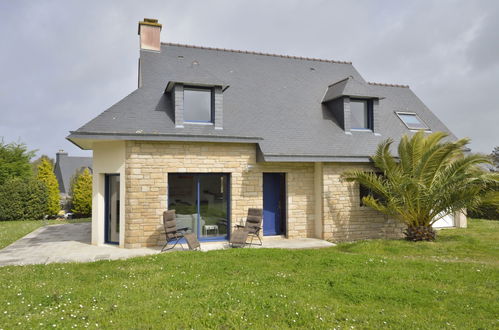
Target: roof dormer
{"points": [[354, 105], [197, 103]]}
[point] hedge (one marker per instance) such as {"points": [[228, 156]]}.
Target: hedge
{"points": [[22, 199]]}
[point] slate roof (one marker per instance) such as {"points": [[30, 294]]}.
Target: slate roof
{"points": [[66, 167], [349, 87], [274, 101]]}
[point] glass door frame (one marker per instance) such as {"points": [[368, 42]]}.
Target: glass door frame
{"points": [[197, 177], [107, 196]]}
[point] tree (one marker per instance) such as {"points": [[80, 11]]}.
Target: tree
{"points": [[14, 161], [429, 179], [37, 162], [490, 204], [495, 159], [81, 189], [45, 174]]}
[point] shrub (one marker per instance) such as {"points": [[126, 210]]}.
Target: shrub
{"points": [[489, 212], [23, 199], [489, 209], [45, 174], [81, 189]]}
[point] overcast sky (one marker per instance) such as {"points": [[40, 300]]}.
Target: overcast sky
{"points": [[64, 62]]}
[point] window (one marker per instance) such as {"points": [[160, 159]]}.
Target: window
{"points": [[361, 114], [112, 209], [198, 105], [201, 202], [365, 191], [412, 121]]}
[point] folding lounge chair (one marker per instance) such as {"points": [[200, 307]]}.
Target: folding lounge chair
{"points": [[238, 238], [192, 241], [173, 234], [252, 226]]}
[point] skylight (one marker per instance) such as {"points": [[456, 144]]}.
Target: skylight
{"points": [[412, 121]]}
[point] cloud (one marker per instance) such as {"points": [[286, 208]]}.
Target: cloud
{"points": [[68, 61]]}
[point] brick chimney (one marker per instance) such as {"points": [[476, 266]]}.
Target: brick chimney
{"points": [[149, 32]]}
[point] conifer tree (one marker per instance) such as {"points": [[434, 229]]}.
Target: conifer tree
{"points": [[45, 174], [82, 193]]}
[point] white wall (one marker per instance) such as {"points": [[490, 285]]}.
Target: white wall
{"points": [[108, 158]]}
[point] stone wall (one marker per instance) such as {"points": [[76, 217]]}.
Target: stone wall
{"points": [[343, 217], [148, 164]]}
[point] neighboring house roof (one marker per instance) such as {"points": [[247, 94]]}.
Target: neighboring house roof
{"points": [[66, 167], [274, 101]]}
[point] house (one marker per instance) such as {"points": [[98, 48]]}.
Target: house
{"points": [[212, 132], [66, 167]]}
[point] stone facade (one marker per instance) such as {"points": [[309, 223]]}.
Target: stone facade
{"points": [[147, 165], [344, 218]]}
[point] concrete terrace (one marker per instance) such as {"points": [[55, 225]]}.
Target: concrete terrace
{"points": [[71, 243]]}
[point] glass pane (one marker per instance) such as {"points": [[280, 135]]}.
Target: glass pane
{"points": [[113, 226], [358, 114], [182, 197], [412, 121], [197, 105], [213, 205]]}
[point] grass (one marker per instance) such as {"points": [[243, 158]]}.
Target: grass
{"points": [[11, 231], [451, 283]]}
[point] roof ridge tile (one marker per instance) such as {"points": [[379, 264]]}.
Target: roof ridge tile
{"points": [[256, 53], [387, 85]]}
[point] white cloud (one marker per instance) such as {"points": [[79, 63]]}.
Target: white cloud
{"points": [[68, 61]]}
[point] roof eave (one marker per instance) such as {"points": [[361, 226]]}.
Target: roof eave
{"points": [[314, 158], [368, 97], [82, 139], [171, 84]]}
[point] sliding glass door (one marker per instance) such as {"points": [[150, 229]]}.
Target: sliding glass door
{"points": [[201, 202]]}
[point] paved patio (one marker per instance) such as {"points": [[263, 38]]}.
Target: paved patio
{"points": [[71, 243]]}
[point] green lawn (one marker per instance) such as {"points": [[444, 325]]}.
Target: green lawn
{"points": [[11, 231], [452, 283]]}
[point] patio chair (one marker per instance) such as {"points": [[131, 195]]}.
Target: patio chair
{"points": [[252, 226], [192, 241], [238, 238], [173, 234]]}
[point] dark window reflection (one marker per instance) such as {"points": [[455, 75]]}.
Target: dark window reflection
{"points": [[359, 114], [197, 104], [201, 202]]}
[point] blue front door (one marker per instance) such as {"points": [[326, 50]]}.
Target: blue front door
{"points": [[273, 204]]}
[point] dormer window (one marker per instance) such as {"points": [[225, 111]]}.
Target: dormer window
{"points": [[361, 114], [412, 121], [354, 105], [198, 105]]}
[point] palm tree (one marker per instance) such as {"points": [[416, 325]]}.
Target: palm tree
{"points": [[429, 179]]}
